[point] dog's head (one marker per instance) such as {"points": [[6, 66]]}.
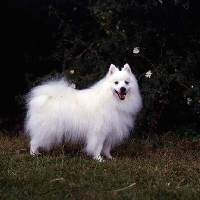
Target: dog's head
{"points": [[122, 81]]}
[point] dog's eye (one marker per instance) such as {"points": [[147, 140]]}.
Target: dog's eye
{"points": [[116, 82], [126, 82]]}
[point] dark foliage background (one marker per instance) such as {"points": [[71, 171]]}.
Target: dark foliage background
{"points": [[80, 39]]}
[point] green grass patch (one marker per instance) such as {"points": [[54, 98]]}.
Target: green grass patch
{"points": [[161, 167]]}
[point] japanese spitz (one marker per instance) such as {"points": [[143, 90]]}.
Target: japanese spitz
{"points": [[100, 116]]}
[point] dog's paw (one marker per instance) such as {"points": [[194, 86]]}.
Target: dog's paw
{"points": [[111, 158], [35, 154], [99, 158]]}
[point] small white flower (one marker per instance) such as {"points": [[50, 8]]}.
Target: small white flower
{"points": [[73, 86], [136, 50], [189, 100], [71, 71], [192, 86], [160, 1], [148, 74]]}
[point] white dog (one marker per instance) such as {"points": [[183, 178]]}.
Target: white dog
{"points": [[100, 116]]}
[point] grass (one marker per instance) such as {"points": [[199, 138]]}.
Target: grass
{"points": [[161, 167]]}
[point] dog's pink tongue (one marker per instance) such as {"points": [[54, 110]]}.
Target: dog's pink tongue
{"points": [[121, 95]]}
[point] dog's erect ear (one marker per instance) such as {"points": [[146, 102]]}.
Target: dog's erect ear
{"points": [[112, 69], [127, 68]]}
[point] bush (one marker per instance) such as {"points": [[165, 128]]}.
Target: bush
{"points": [[158, 39]]}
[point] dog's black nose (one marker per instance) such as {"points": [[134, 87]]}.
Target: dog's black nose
{"points": [[123, 89]]}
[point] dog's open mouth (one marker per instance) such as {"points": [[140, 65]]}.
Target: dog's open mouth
{"points": [[121, 95]]}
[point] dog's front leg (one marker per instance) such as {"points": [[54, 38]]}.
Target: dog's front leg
{"points": [[94, 146], [106, 148]]}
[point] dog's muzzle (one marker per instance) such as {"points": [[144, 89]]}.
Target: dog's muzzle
{"points": [[122, 93]]}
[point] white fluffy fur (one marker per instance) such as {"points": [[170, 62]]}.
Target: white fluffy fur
{"points": [[95, 116]]}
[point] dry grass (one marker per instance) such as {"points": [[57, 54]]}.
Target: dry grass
{"points": [[160, 167]]}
